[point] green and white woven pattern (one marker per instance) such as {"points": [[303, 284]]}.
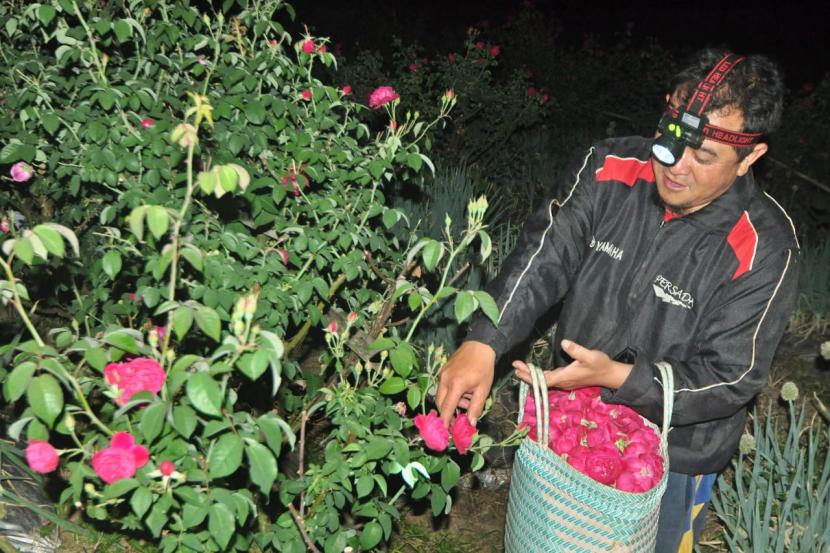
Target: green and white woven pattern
{"points": [[554, 508]]}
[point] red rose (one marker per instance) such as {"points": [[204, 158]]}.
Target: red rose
{"points": [[120, 460], [381, 96], [136, 375], [306, 94], [147, 122], [604, 465], [309, 46], [494, 51], [41, 456], [462, 433], [166, 468], [432, 430], [346, 89]]}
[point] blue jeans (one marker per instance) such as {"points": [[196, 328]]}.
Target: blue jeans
{"points": [[683, 511]]}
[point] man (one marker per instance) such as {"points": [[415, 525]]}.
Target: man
{"points": [[685, 261]]}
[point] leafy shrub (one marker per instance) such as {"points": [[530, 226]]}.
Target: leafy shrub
{"points": [[202, 210]]}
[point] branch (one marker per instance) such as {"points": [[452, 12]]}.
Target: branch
{"points": [[299, 522], [800, 175]]}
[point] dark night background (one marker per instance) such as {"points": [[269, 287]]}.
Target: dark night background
{"points": [[793, 33]]}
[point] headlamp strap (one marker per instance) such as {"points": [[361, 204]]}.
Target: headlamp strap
{"points": [[703, 95]]}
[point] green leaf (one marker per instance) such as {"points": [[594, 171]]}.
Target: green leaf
{"points": [[50, 122], [122, 30], [414, 161], [432, 253], [184, 420], [204, 393], [465, 304], [23, 249], [365, 485], [263, 466], [141, 500], [403, 359], [67, 234], [123, 341], [111, 263], [119, 488], [392, 385], [371, 535], [152, 421], [193, 256], [488, 305], [207, 181], [45, 397], [449, 475], [413, 397], [270, 426], [225, 455], [96, 357], [208, 320], [51, 239], [157, 220], [390, 217], [182, 320], [255, 112], [46, 14], [228, 178], [486, 245], [221, 524], [253, 365], [18, 380], [376, 168], [438, 500], [378, 448], [136, 218]]}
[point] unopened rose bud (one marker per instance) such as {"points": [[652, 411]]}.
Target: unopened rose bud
{"points": [[352, 318], [332, 327], [166, 468], [400, 408]]}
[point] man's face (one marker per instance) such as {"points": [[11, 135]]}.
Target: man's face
{"points": [[703, 174]]}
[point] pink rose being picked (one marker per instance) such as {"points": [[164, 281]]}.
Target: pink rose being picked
{"points": [[462, 433], [381, 96], [41, 456], [609, 443], [21, 171], [121, 459], [432, 430], [136, 375]]}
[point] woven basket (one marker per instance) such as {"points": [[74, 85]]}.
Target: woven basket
{"points": [[554, 508]]}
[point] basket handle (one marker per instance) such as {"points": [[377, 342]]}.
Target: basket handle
{"points": [[540, 394]]}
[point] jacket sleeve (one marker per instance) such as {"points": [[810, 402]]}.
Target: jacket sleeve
{"points": [[540, 269], [734, 349]]}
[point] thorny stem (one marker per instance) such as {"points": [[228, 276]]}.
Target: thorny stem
{"points": [[18, 303]]}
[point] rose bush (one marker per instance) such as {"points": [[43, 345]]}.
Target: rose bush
{"points": [[201, 213]]}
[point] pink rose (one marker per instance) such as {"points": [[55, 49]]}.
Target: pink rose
{"points": [[306, 94], [4, 225], [462, 433], [494, 51], [599, 436], [640, 474], [21, 171], [147, 122], [351, 318], [166, 468], [161, 332], [346, 89], [381, 96], [604, 465], [531, 91], [589, 393], [451, 58], [309, 46], [432, 430], [121, 459], [480, 44], [626, 420], [136, 375], [645, 435], [568, 440], [578, 459], [332, 327], [41, 456], [322, 49]]}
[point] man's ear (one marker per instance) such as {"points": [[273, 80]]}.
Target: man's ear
{"points": [[757, 151]]}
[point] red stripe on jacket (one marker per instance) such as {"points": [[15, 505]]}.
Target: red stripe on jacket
{"points": [[744, 241], [626, 170]]}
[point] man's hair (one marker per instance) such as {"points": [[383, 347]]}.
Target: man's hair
{"points": [[754, 86]]}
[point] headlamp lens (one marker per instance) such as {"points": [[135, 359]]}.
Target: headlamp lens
{"points": [[667, 149]]}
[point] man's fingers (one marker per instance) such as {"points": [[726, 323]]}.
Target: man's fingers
{"points": [[447, 407], [477, 404], [577, 352]]}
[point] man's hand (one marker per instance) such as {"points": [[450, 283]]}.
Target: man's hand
{"points": [[589, 368], [465, 381]]}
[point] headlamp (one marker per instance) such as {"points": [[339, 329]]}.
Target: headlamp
{"points": [[689, 127]]}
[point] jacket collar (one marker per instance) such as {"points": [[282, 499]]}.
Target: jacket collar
{"points": [[725, 210]]}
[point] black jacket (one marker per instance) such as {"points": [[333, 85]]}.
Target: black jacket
{"points": [[710, 292]]}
